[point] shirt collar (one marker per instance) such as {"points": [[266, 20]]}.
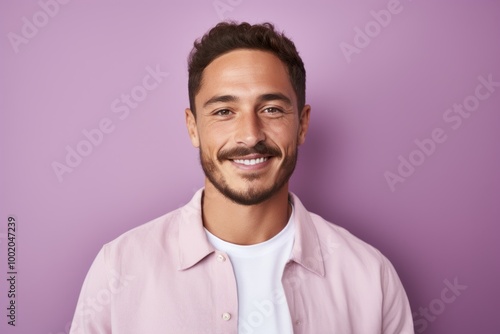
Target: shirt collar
{"points": [[306, 248], [194, 245]]}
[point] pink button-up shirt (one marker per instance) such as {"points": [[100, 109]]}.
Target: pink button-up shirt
{"points": [[165, 277]]}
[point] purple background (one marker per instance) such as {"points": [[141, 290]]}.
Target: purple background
{"points": [[442, 223]]}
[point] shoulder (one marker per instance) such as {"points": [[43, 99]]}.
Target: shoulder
{"points": [[157, 234], [344, 240], [354, 271], [338, 246], [348, 255], [162, 233]]}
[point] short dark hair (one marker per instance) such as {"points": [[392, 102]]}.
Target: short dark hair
{"points": [[229, 36]]}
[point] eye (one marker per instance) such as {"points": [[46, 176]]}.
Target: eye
{"points": [[272, 110], [223, 112]]}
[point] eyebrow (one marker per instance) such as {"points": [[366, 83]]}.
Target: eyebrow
{"points": [[275, 97], [263, 98], [221, 98]]}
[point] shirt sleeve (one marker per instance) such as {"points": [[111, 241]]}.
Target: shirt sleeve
{"points": [[93, 311], [396, 312]]}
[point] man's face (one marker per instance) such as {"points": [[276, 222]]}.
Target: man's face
{"points": [[247, 125]]}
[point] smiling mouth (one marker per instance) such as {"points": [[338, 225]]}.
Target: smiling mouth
{"points": [[251, 162]]}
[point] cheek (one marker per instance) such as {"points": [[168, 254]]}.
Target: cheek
{"points": [[210, 143], [285, 137]]}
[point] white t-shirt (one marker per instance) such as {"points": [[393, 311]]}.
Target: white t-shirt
{"points": [[258, 268]]}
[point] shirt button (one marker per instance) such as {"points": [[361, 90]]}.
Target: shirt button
{"points": [[226, 316], [221, 258]]}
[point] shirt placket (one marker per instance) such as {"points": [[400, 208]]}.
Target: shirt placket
{"points": [[292, 286], [226, 304]]}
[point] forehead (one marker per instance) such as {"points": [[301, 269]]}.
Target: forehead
{"points": [[245, 72]]}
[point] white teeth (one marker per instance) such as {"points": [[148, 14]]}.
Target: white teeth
{"points": [[250, 162]]}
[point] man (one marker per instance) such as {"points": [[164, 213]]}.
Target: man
{"points": [[244, 256]]}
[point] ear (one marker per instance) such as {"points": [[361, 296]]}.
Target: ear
{"points": [[304, 123], [192, 128]]}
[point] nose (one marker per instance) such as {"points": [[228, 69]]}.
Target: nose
{"points": [[249, 129]]}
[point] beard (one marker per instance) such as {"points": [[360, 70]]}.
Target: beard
{"points": [[252, 195]]}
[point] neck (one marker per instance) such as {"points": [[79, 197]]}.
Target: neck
{"points": [[244, 224]]}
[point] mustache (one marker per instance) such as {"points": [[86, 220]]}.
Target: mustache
{"points": [[259, 148]]}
